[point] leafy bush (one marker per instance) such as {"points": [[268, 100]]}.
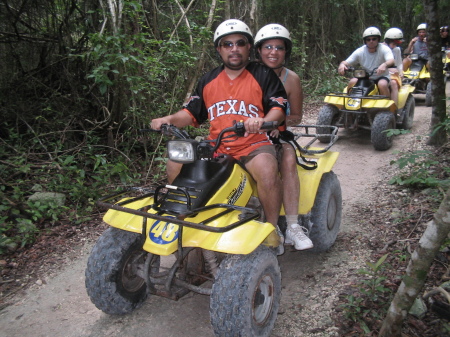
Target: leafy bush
{"points": [[360, 306], [82, 174]]}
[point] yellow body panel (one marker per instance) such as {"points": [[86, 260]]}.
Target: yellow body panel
{"points": [[240, 240], [162, 237], [310, 179], [126, 221], [403, 94], [356, 104], [423, 73]]}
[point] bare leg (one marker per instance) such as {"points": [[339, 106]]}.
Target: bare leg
{"points": [[291, 182], [291, 198], [172, 169], [383, 87], [394, 91], [406, 63], [264, 169], [351, 83]]}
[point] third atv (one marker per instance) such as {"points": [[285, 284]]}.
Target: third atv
{"points": [[362, 107], [418, 76]]}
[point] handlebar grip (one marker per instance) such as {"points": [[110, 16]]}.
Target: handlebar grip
{"points": [[269, 125]]}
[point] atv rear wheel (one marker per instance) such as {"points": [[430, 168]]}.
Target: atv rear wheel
{"points": [[328, 115], [326, 213], [383, 121], [112, 280], [408, 113], [246, 294], [428, 94]]}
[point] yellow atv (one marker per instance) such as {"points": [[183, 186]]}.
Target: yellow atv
{"points": [[363, 108], [418, 76], [208, 230]]}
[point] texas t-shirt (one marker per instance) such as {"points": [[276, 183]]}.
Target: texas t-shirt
{"points": [[224, 101]]}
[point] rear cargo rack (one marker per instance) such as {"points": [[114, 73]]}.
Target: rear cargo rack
{"points": [[306, 131]]}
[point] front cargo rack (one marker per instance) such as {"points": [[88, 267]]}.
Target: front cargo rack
{"points": [[246, 215]]}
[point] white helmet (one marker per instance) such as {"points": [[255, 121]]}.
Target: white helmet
{"points": [[274, 31], [232, 26], [422, 26], [394, 34], [371, 31]]}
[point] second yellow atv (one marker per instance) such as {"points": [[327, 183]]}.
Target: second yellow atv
{"points": [[363, 108]]}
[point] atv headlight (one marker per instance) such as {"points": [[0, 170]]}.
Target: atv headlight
{"points": [[360, 73], [182, 150], [414, 57]]}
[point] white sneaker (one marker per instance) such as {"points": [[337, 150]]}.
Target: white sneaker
{"points": [[296, 236]]}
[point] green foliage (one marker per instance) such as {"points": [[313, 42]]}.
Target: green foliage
{"points": [[373, 286], [359, 306], [82, 175], [444, 125], [396, 132], [402, 256], [325, 79], [27, 231], [418, 169]]}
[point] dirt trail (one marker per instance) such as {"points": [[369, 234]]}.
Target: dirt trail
{"points": [[61, 307]]}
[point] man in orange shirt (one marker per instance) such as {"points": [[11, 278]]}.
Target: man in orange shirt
{"points": [[239, 90]]}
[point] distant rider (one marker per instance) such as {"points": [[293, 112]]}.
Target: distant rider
{"points": [[417, 45], [370, 56], [393, 39], [445, 40]]}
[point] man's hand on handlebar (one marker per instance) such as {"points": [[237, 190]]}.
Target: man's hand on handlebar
{"points": [[253, 125], [156, 123], [342, 68]]}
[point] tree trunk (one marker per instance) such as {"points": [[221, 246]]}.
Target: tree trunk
{"points": [[416, 273], [201, 61], [227, 7], [438, 114], [254, 24]]}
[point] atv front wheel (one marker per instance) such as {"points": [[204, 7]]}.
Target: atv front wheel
{"points": [[383, 121], [328, 115], [408, 113], [428, 94], [246, 294], [326, 213], [112, 280]]}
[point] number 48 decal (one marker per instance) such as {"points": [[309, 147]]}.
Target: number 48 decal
{"points": [[163, 232]]}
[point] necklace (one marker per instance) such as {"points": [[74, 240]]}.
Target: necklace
{"points": [[279, 74]]}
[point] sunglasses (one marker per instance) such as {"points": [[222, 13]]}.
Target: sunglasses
{"points": [[229, 44], [371, 39], [270, 47]]}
